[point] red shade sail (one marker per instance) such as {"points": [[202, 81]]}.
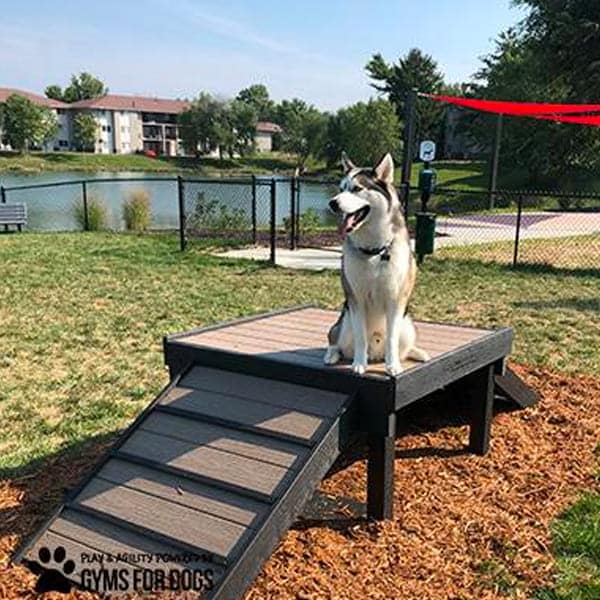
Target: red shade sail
{"points": [[593, 120], [526, 109]]}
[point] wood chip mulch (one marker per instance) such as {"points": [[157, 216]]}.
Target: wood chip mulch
{"points": [[466, 527]]}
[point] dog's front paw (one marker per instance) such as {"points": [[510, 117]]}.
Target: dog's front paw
{"points": [[359, 368], [394, 369], [332, 356]]}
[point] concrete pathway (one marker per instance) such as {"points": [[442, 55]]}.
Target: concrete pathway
{"points": [[465, 230]]}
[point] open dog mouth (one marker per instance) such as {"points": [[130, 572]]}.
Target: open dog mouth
{"points": [[352, 220]]}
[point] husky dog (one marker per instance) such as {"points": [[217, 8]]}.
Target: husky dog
{"points": [[378, 272]]}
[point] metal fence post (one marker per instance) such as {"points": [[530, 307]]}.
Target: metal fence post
{"points": [[518, 231], [86, 216], [297, 225], [182, 217], [254, 209], [272, 226], [293, 212], [3, 199]]}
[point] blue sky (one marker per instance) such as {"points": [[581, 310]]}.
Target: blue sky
{"points": [[310, 49]]}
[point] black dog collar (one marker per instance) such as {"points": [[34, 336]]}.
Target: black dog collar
{"points": [[383, 251]]}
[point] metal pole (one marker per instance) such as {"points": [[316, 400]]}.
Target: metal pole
{"points": [[182, 218], [273, 232], [254, 209], [293, 212], [518, 231], [297, 225], [3, 199], [410, 125], [86, 216], [494, 162]]}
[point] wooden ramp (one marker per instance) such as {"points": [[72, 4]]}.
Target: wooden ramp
{"points": [[200, 488]]}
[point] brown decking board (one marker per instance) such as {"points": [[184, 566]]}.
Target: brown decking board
{"points": [[199, 496], [259, 416], [258, 478], [300, 337], [278, 393]]}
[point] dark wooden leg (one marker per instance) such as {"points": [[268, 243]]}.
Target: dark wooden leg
{"points": [[380, 473], [479, 387]]}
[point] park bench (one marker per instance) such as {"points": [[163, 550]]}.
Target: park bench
{"points": [[13, 214]]}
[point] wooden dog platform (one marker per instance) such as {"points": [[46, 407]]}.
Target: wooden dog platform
{"points": [[223, 461]]}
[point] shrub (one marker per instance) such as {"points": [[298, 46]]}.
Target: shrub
{"points": [[97, 214], [308, 222], [136, 210], [210, 214]]}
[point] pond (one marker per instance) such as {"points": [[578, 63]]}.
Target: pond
{"points": [[53, 208]]}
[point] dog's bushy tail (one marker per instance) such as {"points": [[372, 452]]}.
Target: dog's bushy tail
{"points": [[408, 342]]}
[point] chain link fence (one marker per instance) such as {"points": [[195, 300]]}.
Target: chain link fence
{"points": [[527, 228], [523, 228], [96, 204]]}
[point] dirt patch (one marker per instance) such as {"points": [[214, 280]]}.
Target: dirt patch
{"points": [[465, 527]]}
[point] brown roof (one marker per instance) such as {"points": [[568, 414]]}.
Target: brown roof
{"points": [[5, 93], [137, 103], [267, 127]]}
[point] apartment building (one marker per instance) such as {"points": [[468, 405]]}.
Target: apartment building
{"points": [[127, 124], [62, 140]]}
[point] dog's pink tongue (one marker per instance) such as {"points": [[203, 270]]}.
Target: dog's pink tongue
{"points": [[347, 225]]}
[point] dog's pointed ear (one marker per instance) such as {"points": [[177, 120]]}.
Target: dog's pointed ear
{"points": [[347, 164], [384, 170]]}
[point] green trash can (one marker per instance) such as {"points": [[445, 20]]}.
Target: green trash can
{"points": [[425, 235]]}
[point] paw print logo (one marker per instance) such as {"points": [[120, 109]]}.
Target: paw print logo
{"points": [[56, 567]]}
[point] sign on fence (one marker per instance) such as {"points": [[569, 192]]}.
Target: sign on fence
{"points": [[427, 150]]}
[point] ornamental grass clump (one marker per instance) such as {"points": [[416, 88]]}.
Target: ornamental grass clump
{"points": [[97, 214], [136, 210]]}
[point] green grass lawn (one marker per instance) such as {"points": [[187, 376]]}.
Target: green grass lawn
{"points": [[38, 162], [470, 175], [83, 317]]}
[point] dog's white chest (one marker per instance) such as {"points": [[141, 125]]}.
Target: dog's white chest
{"points": [[373, 281]]}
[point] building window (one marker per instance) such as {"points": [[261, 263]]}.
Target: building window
{"points": [[108, 128], [63, 143]]}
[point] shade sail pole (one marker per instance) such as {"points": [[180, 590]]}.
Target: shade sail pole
{"points": [[493, 184]]}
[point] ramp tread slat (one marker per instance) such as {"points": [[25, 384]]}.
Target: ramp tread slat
{"points": [[110, 539], [262, 417], [279, 393], [171, 521], [242, 443], [205, 498], [246, 473]]}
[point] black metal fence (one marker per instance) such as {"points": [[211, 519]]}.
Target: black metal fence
{"points": [[515, 227]]}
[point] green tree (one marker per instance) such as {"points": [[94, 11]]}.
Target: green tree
{"points": [[84, 131], [304, 128], [243, 118], [27, 125], [257, 96], [565, 38], [365, 130], [199, 125], [83, 87], [54, 91], [520, 69], [415, 70]]}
